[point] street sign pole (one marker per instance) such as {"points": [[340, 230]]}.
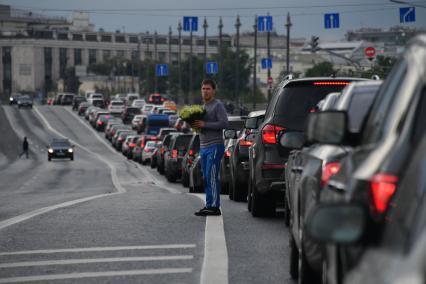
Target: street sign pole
{"points": [[180, 62], [220, 53], [288, 26], [205, 26], [268, 43], [155, 61], [237, 64], [170, 61], [255, 63], [190, 61]]}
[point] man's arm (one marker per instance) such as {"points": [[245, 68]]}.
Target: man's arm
{"points": [[222, 122]]}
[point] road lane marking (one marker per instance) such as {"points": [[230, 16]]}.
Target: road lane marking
{"points": [[99, 249], [215, 263], [95, 275], [95, 260]]}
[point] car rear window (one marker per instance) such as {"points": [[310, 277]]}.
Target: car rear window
{"points": [[117, 103], [182, 143], [360, 104], [61, 144], [299, 98], [236, 125], [133, 110]]}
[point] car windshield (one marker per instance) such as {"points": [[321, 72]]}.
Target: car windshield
{"points": [[359, 106], [61, 144]]}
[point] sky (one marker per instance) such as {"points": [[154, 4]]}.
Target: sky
{"points": [[307, 16]]}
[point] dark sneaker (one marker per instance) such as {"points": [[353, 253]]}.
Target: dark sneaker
{"points": [[208, 211]]}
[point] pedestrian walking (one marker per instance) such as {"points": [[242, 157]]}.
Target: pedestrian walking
{"points": [[24, 148], [211, 146]]}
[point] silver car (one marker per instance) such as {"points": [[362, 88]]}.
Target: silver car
{"points": [[147, 152]]}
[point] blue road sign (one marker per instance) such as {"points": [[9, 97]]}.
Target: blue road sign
{"points": [[212, 67], [407, 15], [190, 23], [264, 23], [161, 70], [266, 63], [331, 21]]}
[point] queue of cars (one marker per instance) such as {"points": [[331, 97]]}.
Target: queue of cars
{"points": [[343, 157]]}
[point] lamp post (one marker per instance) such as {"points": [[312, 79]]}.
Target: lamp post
{"points": [[288, 26], [237, 64], [205, 26], [180, 60], [255, 63]]}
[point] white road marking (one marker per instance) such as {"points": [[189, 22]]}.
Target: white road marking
{"points": [[95, 275], [97, 249], [215, 264], [94, 260]]}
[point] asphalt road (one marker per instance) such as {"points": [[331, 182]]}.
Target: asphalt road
{"points": [[104, 219]]}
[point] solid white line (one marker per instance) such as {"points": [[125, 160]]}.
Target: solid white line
{"points": [[95, 274], [215, 264], [47, 251], [94, 260]]}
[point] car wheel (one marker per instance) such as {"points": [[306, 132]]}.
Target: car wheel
{"points": [[305, 273], [49, 159], [286, 212], [239, 192], [262, 205], [294, 258], [152, 165], [170, 176], [72, 158], [185, 179]]}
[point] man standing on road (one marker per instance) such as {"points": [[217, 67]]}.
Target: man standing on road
{"points": [[211, 146], [24, 148]]}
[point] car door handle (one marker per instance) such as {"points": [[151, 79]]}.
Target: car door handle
{"points": [[337, 186], [297, 169]]}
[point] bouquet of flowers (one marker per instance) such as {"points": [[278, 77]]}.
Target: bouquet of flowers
{"points": [[192, 113]]}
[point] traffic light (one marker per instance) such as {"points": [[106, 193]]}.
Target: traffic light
{"points": [[314, 43]]}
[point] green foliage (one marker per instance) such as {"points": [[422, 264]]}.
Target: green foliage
{"points": [[320, 70], [381, 68]]}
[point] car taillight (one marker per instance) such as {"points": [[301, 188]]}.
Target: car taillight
{"points": [[162, 150], [147, 150], [329, 170], [382, 188], [227, 153], [331, 83], [174, 153], [120, 138], [131, 145], [189, 161], [245, 143], [270, 133], [191, 152], [163, 99], [100, 122]]}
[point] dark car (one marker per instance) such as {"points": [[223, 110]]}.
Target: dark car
{"points": [[140, 146], [76, 101], [25, 101], [400, 255], [238, 160], [102, 121], [111, 132], [128, 145], [291, 103], [156, 99], [163, 149], [191, 154], [129, 112], [67, 99], [369, 174], [173, 157], [311, 168], [234, 123], [60, 149], [58, 98], [121, 136], [196, 180]]}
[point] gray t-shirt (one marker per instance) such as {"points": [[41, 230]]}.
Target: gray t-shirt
{"points": [[216, 120]]}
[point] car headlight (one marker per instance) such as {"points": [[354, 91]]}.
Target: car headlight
{"points": [[50, 150], [70, 150], [11, 99]]}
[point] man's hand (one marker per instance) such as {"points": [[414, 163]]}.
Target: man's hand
{"points": [[198, 124]]}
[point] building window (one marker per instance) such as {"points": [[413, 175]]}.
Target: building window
{"points": [[107, 54], [63, 36], [148, 54], [213, 43], [200, 42], [162, 40], [48, 69], [77, 56], [120, 38], [91, 37], [62, 62], [133, 39], [92, 56], [106, 38], [175, 41], [7, 69], [77, 37], [186, 42], [120, 53], [162, 56]]}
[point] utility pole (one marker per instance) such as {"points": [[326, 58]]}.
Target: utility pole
{"points": [[148, 84], [237, 64], [155, 62], [205, 26], [255, 64], [190, 62], [268, 43], [170, 58], [220, 53], [139, 62], [180, 61], [288, 26]]}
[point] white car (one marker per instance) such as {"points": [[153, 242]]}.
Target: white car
{"points": [[146, 109], [116, 107], [147, 152], [138, 103], [137, 120]]}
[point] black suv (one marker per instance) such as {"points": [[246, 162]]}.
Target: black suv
{"points": [[61, 149], [291, 102]]}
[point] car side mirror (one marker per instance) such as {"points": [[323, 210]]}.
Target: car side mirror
{"points": [[336, 223], [293, 140], [327, 127], [230, 134]]}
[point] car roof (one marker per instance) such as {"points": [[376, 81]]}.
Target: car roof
{"points": [[235, 118], [257, 113]]}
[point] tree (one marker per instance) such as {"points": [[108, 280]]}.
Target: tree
{"points": [[323, 69], [381, 68]]}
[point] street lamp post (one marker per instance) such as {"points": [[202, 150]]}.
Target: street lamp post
{"points": [[288, 26], [237, 63], [155, 61], [268, 43], [205, 26], [255, 63], [170, 58], [220, 54], [190, 62], [180, 60]]}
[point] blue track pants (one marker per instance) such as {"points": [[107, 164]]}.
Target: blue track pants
{"points": [[210, 163]]}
